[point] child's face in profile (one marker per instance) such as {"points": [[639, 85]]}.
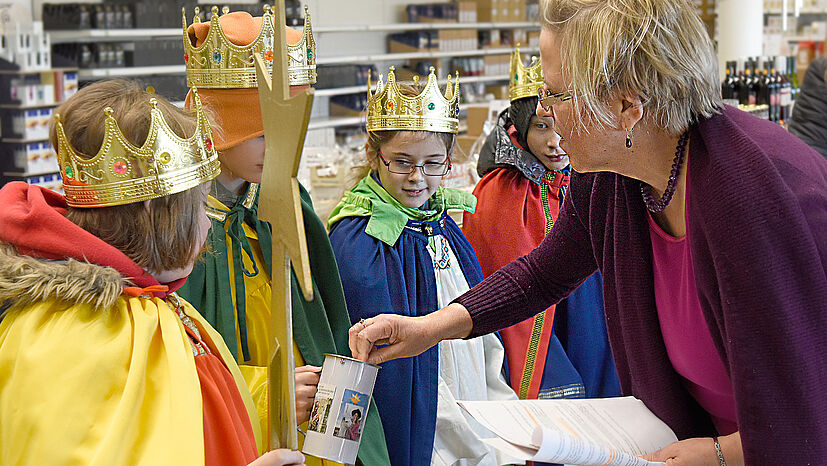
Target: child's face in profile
{"points": [[544, 143], [244, 160], [403, 151]]}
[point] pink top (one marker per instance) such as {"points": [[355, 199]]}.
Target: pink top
{"points": [[685, 332]]}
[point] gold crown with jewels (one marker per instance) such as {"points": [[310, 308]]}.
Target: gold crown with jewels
{"points": [[525, 81], [391, 110], [220, 64], [121, 173]]}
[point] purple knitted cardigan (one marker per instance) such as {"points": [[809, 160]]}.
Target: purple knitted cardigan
{"points": [[758, 231]]}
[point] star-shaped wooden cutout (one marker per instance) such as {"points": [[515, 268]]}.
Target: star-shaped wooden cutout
{"points": [[285, 126]]}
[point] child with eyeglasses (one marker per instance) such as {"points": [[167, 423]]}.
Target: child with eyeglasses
{"points": [[399, 251]]}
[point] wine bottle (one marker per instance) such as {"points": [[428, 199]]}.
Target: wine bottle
{"points": [[726, 93], [774, 90], [785, 90], [743, 84]]}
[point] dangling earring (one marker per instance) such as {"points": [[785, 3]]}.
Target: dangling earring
{"points": [[629, 138]]}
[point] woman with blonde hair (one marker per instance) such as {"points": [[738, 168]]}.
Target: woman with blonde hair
{"points": [[708, 225]]}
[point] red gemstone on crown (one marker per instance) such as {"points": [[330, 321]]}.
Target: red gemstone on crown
{"points": [[186, 58], [208, 143], [119, 167]]}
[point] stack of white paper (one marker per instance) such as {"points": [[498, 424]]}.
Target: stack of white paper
{"points": [[598, 431]]}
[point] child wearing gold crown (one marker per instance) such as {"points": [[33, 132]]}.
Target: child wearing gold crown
{"points": [[231, 287], [562, 352], [100, 361], [399, 251]]}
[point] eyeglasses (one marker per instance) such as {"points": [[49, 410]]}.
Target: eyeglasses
{"points": [[403, 167], [548, 98]]}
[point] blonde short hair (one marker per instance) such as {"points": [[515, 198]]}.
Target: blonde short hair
{"points": [[658, 50]]}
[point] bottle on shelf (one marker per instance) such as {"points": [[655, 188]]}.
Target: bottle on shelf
{"points": [[725, 83], [785, 91], [756, 87], [743, 84], [727, 86], [774, 90], [792, 74]]}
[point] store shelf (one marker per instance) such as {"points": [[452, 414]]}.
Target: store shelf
{"points": [[363, 88], [47, 70], [27, 175], [335, 122], [28, 107], [99, 73], [419, 55], [803, 38], [22, 141], [93, 35], [179, 69], [803, 11], [426, 26]]}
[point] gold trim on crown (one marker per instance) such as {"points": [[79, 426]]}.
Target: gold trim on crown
{"points": [[524, 81], [218, 63], [121, 173], [390, 110]]}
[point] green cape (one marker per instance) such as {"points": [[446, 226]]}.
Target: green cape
{"points": [[319, 326]]}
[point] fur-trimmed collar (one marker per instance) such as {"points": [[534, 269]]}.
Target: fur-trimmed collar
{"points": [[26, 280]]}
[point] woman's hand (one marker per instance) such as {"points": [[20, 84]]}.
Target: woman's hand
{"points": [[282, 457], [307, 380], [701, 452], [406, 336]]}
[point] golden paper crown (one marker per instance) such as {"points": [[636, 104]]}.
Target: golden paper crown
{"points": [[121, 173], [525, 81], [390, 110], [218, 63]]}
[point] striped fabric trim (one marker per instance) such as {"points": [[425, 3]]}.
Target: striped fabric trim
{"points": [[531, 354], [575, 390]]}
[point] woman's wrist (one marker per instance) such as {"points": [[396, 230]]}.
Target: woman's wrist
{"points": [[731, 451], [452, 321]]}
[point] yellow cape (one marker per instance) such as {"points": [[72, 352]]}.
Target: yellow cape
{"points": [[89, 387]]}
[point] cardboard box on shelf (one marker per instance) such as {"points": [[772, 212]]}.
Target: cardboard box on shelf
{"points": [[457, 39], [337, 110], [499, 91], [496, 64], [467, 12], [464, 144], [489, 39], [477, 115], [489, 10]]}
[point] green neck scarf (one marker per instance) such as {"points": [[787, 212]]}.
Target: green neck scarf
{"points": [[208, 286], [388, 216]]}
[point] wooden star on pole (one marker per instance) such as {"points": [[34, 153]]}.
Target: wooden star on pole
{"points": [[285, 126]]}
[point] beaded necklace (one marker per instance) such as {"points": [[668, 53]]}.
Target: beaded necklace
{"points": [[656, 206]]}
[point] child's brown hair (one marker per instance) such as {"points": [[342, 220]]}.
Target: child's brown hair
{"points": [[376, 139], [158, 238]]}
